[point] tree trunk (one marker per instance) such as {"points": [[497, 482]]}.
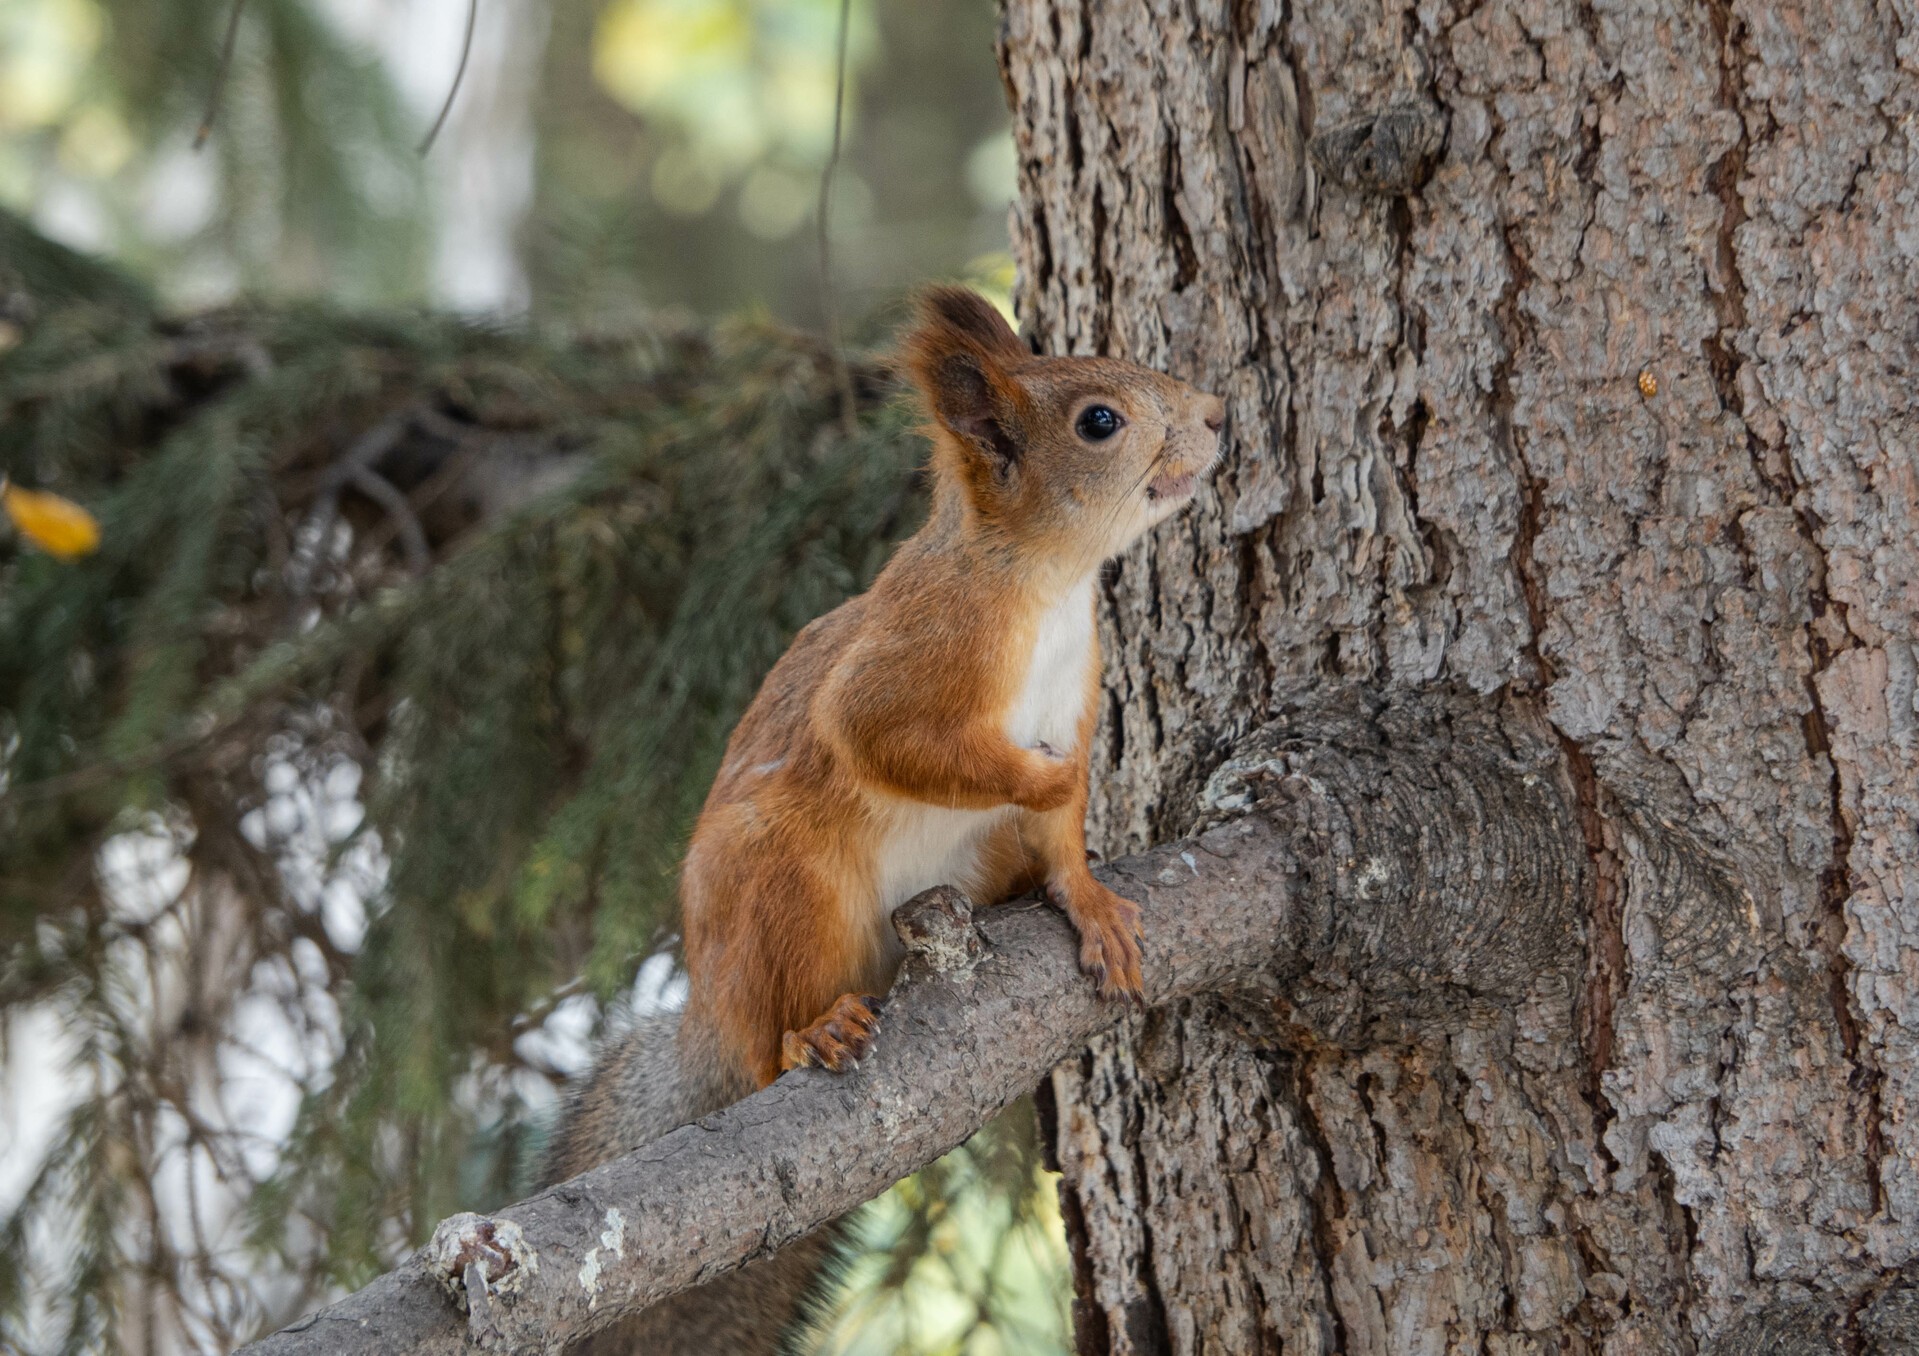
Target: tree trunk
{"points": [[1569, 352]]}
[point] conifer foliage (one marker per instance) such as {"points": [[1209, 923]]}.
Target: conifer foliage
{"points": [[369, 734]]}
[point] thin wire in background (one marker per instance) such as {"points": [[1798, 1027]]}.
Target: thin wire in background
{"points": [[220, 75], [829, 297], [459, 74], [225, 67]]}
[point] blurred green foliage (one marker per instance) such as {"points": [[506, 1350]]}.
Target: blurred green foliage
{"points": [[308, 186], [364, 750], [964, 1257], [520, 582], [545, 701], [625, 152], [687, 172]]}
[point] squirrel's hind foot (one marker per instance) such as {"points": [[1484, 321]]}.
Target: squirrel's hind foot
{"points": [[1109, 936], [838, 1040]]}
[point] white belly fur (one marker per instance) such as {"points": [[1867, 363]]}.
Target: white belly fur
{"points": [[1053, 697], [926, 845]]}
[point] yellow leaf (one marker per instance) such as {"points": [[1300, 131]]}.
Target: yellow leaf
{"points": [[57, 526]]}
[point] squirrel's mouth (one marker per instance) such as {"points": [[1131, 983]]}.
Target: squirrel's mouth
{"points": [[1171, 486]]}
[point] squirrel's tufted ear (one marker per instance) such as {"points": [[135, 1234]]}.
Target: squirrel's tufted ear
{"points": [[962, 312], [960, 355], [970, 397]]}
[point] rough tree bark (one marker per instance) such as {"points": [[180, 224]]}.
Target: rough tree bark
{"points": [[1569, 350]]}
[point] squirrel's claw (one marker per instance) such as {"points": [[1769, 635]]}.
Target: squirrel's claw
{"points": [[841, 1038], [1111, 940]]}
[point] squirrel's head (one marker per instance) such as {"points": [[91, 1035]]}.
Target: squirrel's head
{"points": [[1081, 455]]}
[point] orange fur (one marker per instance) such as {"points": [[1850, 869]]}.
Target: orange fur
{"points": [[880, 751]]}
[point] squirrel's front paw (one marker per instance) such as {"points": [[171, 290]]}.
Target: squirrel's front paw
{"points": [[1109, 937], [841, 1038]]}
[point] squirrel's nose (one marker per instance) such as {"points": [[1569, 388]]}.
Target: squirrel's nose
{"points": [[1213, 413]]}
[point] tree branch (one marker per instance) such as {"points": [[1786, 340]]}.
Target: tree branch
{"points": [[1365, 865]]}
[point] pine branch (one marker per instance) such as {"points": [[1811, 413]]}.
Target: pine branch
{"points": [[1380, 855]]}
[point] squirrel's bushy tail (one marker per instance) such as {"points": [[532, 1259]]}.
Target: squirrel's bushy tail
{"points": [[646, 1082]]}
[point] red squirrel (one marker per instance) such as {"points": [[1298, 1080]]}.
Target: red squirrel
{"points": [[935, 729]]}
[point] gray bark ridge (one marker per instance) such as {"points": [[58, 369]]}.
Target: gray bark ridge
{"points": [[1607, 405], [1367, 868]]}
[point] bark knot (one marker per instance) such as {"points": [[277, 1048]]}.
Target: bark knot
{"points": [[473, 1256], [1390, 152], [937, 926]]}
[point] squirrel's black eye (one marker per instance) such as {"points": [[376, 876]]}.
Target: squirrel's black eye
{"points": [[1098, 423]]}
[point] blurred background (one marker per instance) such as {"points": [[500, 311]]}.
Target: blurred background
{"points": [[449, 506], [598, 155]]}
